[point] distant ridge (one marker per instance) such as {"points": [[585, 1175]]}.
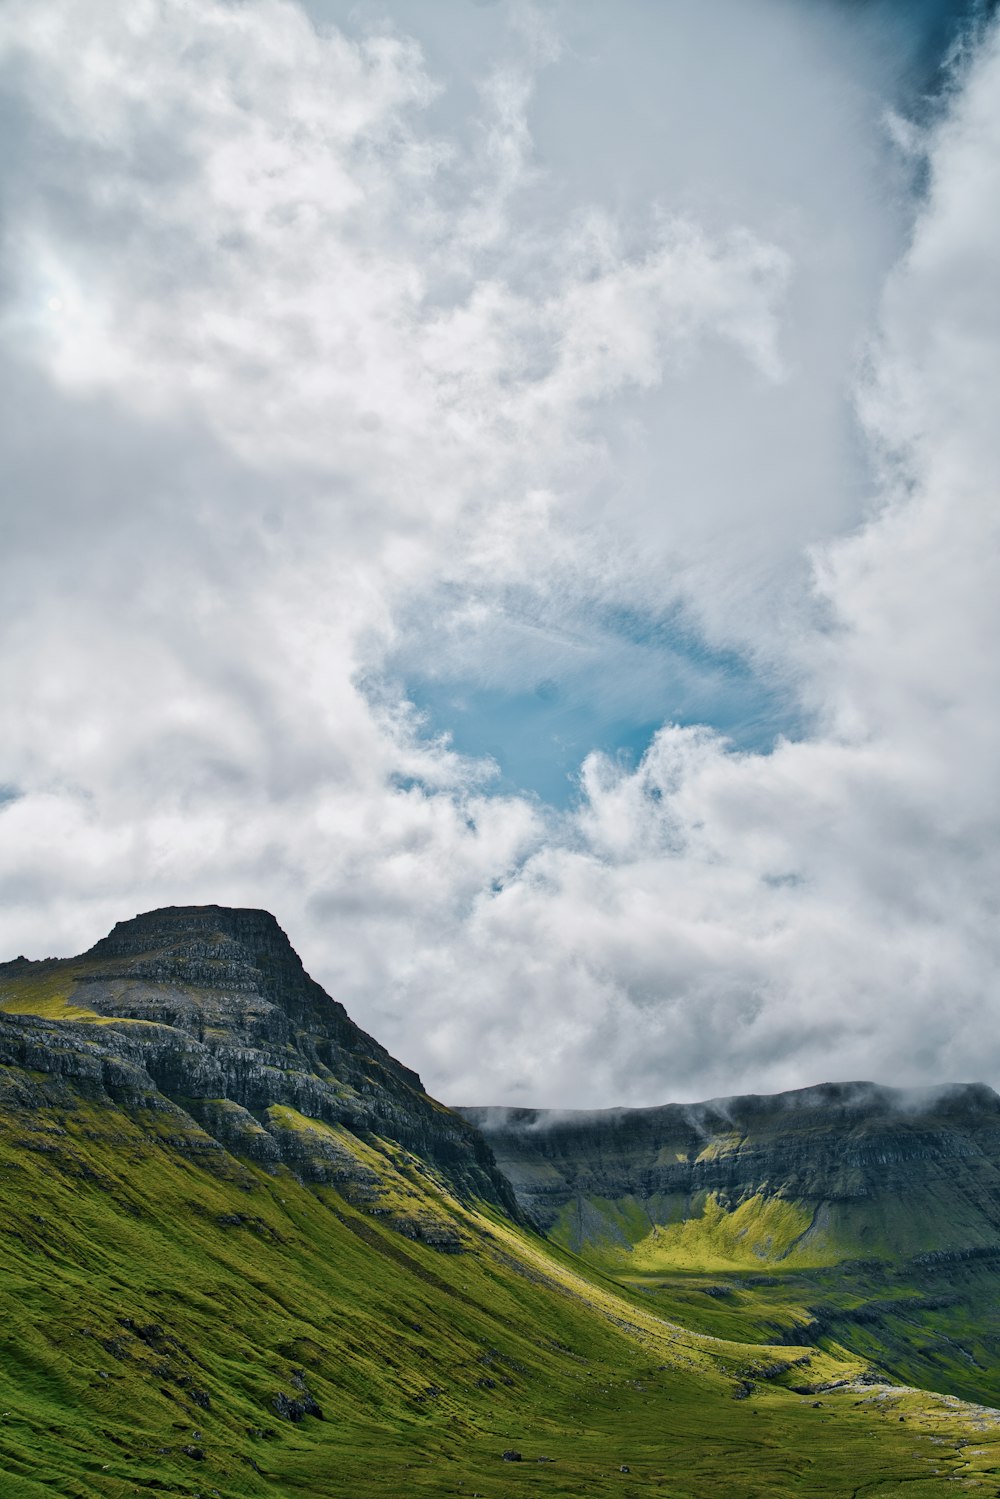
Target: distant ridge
{"points": [[868, 1168], [854, 1095]]}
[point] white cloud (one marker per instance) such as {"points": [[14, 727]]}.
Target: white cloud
{"points": [[828, 909], [310, 372]]}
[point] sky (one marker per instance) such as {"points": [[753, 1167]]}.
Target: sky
{"points": [[513, 489]]}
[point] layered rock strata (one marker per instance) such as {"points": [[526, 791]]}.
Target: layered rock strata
{"points": [[208, 1011], [854, 1147]]}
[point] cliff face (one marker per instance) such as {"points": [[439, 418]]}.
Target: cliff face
{"points": [[866, 1170], [207, 1012]]}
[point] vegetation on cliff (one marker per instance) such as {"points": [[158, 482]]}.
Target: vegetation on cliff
{"points": [[279, 1288]]}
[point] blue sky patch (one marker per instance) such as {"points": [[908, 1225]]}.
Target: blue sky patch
{"points": [[612, 694]]}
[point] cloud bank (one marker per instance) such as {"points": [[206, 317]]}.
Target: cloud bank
{"points": [[303, 384]]}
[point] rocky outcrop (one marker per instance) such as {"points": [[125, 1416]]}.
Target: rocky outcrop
{"points": [[208, 1010], [850, 1145]]}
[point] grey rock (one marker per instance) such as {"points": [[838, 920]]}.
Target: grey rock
{"points": [[854, 1143], [296, 1407], [211, 1020]]}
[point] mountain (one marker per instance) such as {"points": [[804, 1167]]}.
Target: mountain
{"points": [[814, 1176], [858, 1215], [209, 1009], [245, 1256]]}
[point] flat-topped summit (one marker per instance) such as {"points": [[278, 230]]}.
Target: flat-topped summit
{"points": [[796, 1109], [217, 965], [192, 934], [209, 1007]]}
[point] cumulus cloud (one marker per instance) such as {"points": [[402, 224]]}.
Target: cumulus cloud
{"points": [[294, 372]]}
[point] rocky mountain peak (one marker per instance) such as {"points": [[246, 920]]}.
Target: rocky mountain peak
{"points": [[190, 930], [209, 1007], [220, 949]]}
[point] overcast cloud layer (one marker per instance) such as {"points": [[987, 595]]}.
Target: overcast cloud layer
{"points": [[332, 365]]}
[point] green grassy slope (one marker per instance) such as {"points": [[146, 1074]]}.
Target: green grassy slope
{"points": [[846, 1216], [708, 1230], [46, 989], [855, 1276], [934, 1325], [166, 1307], [165, 1303], [242, 1253]]}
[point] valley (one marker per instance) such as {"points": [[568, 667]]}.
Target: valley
{"points": [[245, 1254], [848, 1215]]}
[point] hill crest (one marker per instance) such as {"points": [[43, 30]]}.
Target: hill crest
{"points": [[208, 1010]]}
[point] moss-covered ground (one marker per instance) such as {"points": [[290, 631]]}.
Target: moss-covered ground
{"points": [[45, 989], [852, 1276], [178, 1321]]}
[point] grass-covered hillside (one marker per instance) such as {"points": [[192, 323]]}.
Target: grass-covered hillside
{"points": [[176, 1320], [272, 1291], [850, 1216]]}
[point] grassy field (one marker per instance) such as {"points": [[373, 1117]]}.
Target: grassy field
{"points": [[177, 1321]]}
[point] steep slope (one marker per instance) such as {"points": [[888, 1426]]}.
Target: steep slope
{"points": [[244, 1254], [813, 1176], [849, 1215], [210, 1009], [197, 1324]]}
